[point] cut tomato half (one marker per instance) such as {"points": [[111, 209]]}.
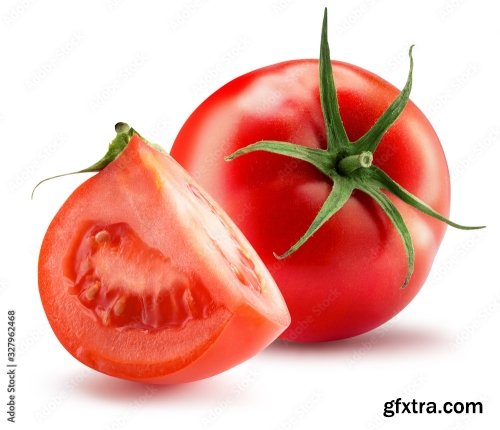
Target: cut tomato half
{"points": [[144, 277]]}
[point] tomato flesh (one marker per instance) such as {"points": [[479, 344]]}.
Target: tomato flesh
{"points": [[144, 277], [347, 278]]}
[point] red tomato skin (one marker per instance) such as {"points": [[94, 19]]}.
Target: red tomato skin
{"points": [[346, 280], [132, 189]]}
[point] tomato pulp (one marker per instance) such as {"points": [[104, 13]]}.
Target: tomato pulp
{"points": [[346, 279], [142, 275]]}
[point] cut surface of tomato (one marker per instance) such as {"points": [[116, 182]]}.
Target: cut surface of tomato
{"points": [[142, 275]]}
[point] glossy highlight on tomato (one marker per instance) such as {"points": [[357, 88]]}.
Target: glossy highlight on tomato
{"points": [[143, 277]]}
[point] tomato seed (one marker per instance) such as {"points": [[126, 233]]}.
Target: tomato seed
{"points": [[119, 306], [101, 236], [91, 292], [105, 318]]}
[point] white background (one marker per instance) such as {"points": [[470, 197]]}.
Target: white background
{"points": [[70, 70]]}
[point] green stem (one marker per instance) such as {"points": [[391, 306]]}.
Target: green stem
{"points": [[354, 162], [123, 134]]}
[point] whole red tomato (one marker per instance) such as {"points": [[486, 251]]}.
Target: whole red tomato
{"points": [[345, 275]]}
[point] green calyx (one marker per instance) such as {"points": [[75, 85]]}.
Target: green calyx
{"points": [[349, 164], [115, 148]]}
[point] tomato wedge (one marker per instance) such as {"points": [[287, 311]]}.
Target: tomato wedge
{"points": [[144, 277]]}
